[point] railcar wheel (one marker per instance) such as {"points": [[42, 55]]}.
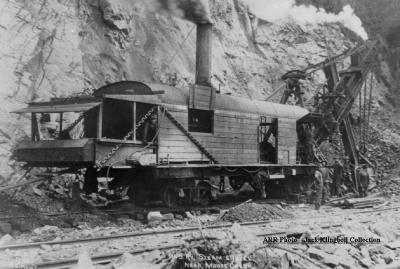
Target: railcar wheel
{"points": [[171, 196], [204, 193], [137, 196], [258, 183], [236, 182]]}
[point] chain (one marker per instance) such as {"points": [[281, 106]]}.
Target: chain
{"points": [[108, 156], [72, 125]]}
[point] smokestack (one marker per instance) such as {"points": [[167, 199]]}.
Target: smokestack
{"points": [[203, 54]]}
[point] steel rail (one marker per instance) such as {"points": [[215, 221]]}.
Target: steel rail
{"points": [[100, 258], [180, 230], [108, 258]]}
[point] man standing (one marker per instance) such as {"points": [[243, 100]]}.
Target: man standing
{"points": [[150, 129], [326, 181], [319, 183], [338, 173], [363, 177]]}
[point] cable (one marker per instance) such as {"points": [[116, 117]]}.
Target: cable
{"points": [[369, 105], [139, 150], [180, 46]]}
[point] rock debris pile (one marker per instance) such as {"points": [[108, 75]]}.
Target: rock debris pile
{"points": [[383, 149], [254, 212]]}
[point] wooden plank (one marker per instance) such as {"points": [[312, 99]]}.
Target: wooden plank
{"points": [[222, 144], [232, 151], [124, 152], [287, 142], [183, 119], [229, 115], [235, 129], [213, 98], [176, 108], [287, 124], [183, 156], [236, 123], [100, 121], [204, 96], [205, 104], [174, 131], [134, 120], [168, 125], [35, 128], [60, 123], [214, 141], [164, 149], [178, 137], [226, 125], [237, 114], [191, 97], [230, 132]]}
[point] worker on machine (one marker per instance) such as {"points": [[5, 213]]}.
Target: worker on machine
{"points": [[150, 129], [292, 79], [267, 152], [48, 128]]}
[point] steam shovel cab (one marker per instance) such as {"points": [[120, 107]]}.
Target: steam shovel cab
{"points": [[180, 140]]}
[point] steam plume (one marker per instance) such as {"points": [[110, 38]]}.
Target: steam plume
{"points": [[284, 10]]}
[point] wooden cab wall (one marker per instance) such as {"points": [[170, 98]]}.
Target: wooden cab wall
{"points": [[234, 139]]}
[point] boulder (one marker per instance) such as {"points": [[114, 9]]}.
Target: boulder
{"points": [[47, 229], [384, 230], [365, 262], [154, 216], [128, 261], [323, 257], [6, 240], [388, 259], [189, 215], [140, 216], [46, 247], [393, 245], [385, 266], [168, 216], [5, 227], [178, 217], [84, 261], [346, 263], [377, 250]]}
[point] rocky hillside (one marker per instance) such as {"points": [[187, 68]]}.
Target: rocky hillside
{"points": [[54, 48]]}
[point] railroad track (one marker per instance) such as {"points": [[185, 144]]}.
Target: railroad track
{"points": [[181, 230], [215, 208], [105, 258]]}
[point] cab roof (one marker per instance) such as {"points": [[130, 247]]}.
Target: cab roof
{"points": [[163, 94]]}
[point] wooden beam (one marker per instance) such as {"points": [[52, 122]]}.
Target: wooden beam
{"points": [[100, 121], [61, 123], [34, 128], [134, 121]]}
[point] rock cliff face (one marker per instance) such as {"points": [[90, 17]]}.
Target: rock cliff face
{"points": [[58, 48]]}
